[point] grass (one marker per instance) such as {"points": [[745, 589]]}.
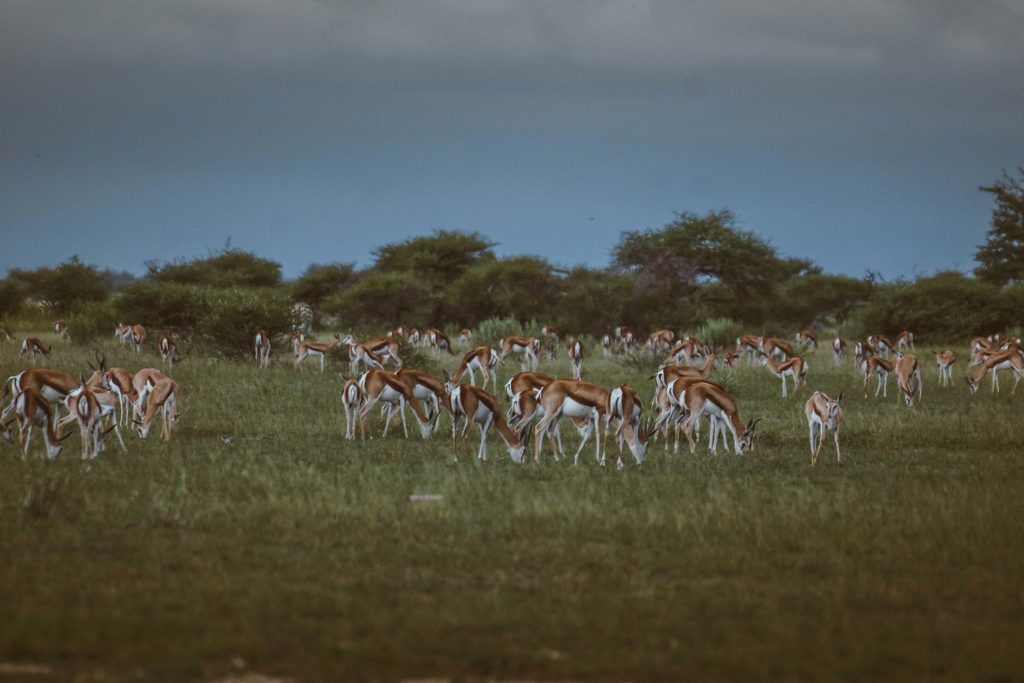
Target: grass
{"points": [[291, 552]]}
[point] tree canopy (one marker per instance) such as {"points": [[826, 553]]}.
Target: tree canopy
{"points": [[1001, 258]]}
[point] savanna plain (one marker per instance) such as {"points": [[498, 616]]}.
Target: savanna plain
{"points": [[259, 541]]}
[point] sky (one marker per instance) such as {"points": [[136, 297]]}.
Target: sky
{"points": [[855, 133]]}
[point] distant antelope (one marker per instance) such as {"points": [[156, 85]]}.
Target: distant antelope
{"points": [[168, 350], [823, 414], [875, 366], [351, 400], [473, 405], [661, 340], [261, 348], [298, 336], [794, 367], [576, 355], [482, 358], [61, 328], [1002, 360], [689, 349], [464, 337], [838, 350], [905, 341], [626, 337], [908, 378], [673, 412], [524, 408], [528, 347], [316, 350], [138, 337], [384, 348], [5, 335], [879, 343], [438, 340], [606, 345], [807, 339], [123, 333], [526, 381], [945, 362], [550, 331], [670, 372], [32, 346]]}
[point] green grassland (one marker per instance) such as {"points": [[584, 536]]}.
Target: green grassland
{"points": [[298, 554]]}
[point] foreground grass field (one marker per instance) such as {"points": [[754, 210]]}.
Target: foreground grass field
{"points": [[290, 552]]}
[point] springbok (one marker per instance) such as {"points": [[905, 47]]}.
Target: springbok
{"points": [[163, 397], [576, 355], [660, 340], [550, 331], [1002, 360], [668, 373], [626, 338], [838, 350], [528, 347], [379, 385], [807, 339], [606, 345], [261, 348], [464, 337], [905, 340], [52, 386], [316, 350], [908, 377], [61, 328], [426, 388], [706, 398], [32, 346], [83, 407], [875, 366], [748, 345], [168, 350], [473, 405], [879, 343], [795, 367], [823, 414], [32, 410], [945, 362], [775, 347], [482, 358], [138, 337], [379, 349], [351, 399], [672, 412]]}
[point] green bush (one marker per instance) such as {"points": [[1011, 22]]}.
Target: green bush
{"points": [[91, 322], [230, 268], [162, 306], [491, 331], [720, 332], [232, 316], [383, 300], [10, 298]]}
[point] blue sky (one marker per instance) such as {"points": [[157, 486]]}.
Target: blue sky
{"points": [[854, 133]]}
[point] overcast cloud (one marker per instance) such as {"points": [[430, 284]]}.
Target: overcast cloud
{"points": [[854, 133]]}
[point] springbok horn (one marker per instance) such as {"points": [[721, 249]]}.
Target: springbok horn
{"points": [[109, 429], [70, 432], [91, 367], [138, 422], [838, 400]]}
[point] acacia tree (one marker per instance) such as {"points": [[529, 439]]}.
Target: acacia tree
{"points": [[1001, 258]]}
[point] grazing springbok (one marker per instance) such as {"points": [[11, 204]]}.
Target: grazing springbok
{"points": [[908, 377], [261, 348], [732, 359], [667, 373], [379, 385], [482, 358], [138, 337], [83, 407], [795, 367], [626, 338], [838, 350], [438, 340], [527, 347], [464, 337], [426, 388], [526, 381], [524, 408], [879, 343], [32, 410], [689, 350], [707, 398], [163, 397], [168, 350], [52, 386], [5, 334], [672, 412], [626, 409], [748, 345], [777, 348], [660, 340], [32, 346], [119, 383], [351, 400], [807, 339], [61, 328], [473, 405], [905, 341], [316, 350], [380, 349], [945, 362], [823, 413], [875, 366], [576, 355], [1001, 360]]}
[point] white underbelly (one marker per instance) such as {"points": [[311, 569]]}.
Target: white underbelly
{"points": [[573, 408]]}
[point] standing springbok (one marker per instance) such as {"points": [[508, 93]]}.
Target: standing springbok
{"points": [[550, 331], [261, 348], [945, 362], [316, 350], [879, 343], [83, 407], [482, 358], [138, 337], [379, 385], [576, 355], [380, 349], [777, 348], [838, 350], [168, 350], [606, 345], [528, 347], [626, 338], [464, 337], [823, 414], [61, 328], [795, 367], [748, 345], [1001, 360], [875, 366], [908, 378], [474, 405], [32, 346], [905, 340], [351, 399]]}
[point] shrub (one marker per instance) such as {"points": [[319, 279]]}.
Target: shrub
{"points": [[66, 287], [230, 268], [720, 332], [232, 316], [162, 306], [93, 321], [491, 331], [382, 299], [10, 298]]}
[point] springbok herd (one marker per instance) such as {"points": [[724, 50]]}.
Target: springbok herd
{"points": [[684, 391]]}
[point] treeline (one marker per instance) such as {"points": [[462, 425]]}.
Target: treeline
{"points": [[696, 269]]}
